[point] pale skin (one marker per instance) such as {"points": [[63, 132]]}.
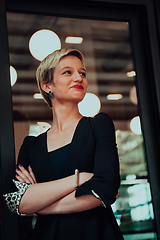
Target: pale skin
{"points": [[58, 197]]}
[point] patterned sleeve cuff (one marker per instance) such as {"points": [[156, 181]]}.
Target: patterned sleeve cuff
{"points": [[13, 199], [97, 196]]}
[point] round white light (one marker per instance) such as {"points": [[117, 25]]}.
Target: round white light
{"points": [[135, 125], [13, 75], [43, 42], [90, 105]]}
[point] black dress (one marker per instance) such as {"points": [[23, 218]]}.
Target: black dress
{"points": [[58, 158], [93, 149]]}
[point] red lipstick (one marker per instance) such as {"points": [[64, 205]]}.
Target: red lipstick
{"points": [[77, 86]]}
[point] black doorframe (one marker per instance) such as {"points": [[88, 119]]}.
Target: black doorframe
{"points": [[141, 16], [9, 221]]}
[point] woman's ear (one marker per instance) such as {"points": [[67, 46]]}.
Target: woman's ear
{"points": [[45, 87]]}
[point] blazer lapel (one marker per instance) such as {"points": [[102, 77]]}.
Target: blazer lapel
{"points": [[73, 158], [77, 156], [40, 162]]}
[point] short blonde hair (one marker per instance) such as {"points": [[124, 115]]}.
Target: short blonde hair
{"points": [[45, 71]]}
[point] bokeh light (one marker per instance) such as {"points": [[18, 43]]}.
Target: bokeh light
{"points": [[114, 96], [135, 125], [43, 42], [38, 96], [13, 75], [90, 105], [133, 95], [74, 40]]}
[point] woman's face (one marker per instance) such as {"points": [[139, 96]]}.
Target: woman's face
{"points": [[69, 83]]}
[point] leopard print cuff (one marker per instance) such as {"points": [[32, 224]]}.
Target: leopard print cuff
{"points": [[13, 199]]}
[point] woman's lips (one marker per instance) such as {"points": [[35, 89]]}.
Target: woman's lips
{"points": [[77, 86]]}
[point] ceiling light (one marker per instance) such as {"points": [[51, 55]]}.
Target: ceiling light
{"points": [[43, 42], [74, 40], [135, 125], [13, 75], [131, 74], [37, 96], [114, 96], [133, 95], [90, 105]]}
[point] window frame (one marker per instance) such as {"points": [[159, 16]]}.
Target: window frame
{"points": [[145, 48]]}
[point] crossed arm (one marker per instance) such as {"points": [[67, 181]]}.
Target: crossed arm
{"points": [[54, 197]]}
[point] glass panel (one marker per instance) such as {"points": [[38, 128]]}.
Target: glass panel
{"points": [[111, 77]]}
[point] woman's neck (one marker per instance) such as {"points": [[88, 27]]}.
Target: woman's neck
{"points": [[64, 116]]}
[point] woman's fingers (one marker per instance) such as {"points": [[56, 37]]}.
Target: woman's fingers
{"points": [[32, 174], [20, 176], [20, 179], [117, 195], [24, 174]]}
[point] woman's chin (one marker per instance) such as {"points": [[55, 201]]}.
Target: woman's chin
{"points": [[78, 100]]}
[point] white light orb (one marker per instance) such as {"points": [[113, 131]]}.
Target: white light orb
{"points": [[43, 42], [13, 75], [135, 125], [90, 105]]}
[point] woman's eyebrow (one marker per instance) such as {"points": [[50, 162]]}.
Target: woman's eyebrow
{"points": [[66, 67], [83, 69]]}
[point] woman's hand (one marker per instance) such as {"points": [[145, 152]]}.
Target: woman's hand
{"points": [[23, 175], [117, 195]]}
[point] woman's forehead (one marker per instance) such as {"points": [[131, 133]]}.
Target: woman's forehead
{"points": [[69, 61]]}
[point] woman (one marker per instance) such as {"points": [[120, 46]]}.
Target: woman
{"points": [[68, 206]]}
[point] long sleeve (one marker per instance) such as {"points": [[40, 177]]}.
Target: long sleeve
{"points": [[13, 197], [106, 179], [23, 157]]}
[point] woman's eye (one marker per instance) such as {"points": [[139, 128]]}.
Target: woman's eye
{"points": [[67, 72], [83, 74]]}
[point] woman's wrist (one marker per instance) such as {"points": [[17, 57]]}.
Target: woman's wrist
{"points": [[84, 177]]}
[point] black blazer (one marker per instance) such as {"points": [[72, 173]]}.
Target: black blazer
{"points": [[93, 149]]}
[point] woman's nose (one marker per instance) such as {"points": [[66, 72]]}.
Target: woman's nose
{"points": [[77, 77]]}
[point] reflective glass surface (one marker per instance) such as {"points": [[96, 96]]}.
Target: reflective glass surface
{"points": [[106, 46]]}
